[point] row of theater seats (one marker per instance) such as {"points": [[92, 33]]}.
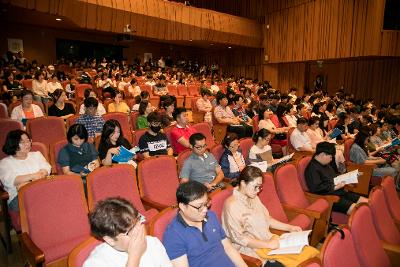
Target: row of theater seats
{"points": [[53, 211]]}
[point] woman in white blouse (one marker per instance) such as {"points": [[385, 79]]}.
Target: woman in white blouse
{"points": [[203, 104], [39, 88], [27, 110], [21, 166], [266, 123]]}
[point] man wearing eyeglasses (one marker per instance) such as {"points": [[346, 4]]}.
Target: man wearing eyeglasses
{"points": [[201, 165], [195, 236]]}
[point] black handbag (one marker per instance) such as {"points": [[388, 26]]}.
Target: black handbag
{"points": [[273, 263]]}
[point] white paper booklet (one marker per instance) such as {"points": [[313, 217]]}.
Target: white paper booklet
{"points": [[284, 159], [348, 178], [291, 243]]}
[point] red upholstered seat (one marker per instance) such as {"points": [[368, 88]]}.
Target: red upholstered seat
{"points": [[80, 253], [182, 157], [218, 199], [392, 199], [71, 120], [291, 194], [339, 250], [204, 128], [3, 111], [167, 132], [42, 148], [217, 151], [256, 120], [158, 181], [138, 135], [270, 199], [80, 90], [123, 119], [7, 125], [245, 144], [369, 248], [54, 151], [116, 181], [301, 168], [159, 224], [47, 130], [134, 116], [54, 215], [383, 221]]}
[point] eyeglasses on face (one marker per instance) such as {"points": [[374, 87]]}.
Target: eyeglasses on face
{"points": [[202, 206], [200, 147]]}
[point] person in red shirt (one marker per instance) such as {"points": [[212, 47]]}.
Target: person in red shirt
{"points": [[182, 131]]}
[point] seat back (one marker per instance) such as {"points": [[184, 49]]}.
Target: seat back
{"points": [[182, 90], [383, 221], [3, 111], [301, 168], [218, 199], [256, 120], [290, 147], [180, 160], [339, 250], [391, 196], [269, 198], [79, 254], [47, 130], [160, 222], [42, 148], [288, 186], [71, 121], [331, 124], [217, 151], [347, 146], [194, 90], [167, 131], [54, 214], [245, 144], [123, 119], [369, 248], [138, 134], [158, 179], [80, 90], [7, 125], [27, 83], [54, 151], [204, 128], [116, 181], [134, 116]]}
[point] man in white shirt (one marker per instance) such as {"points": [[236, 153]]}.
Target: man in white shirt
{"points": [[299, 138], [123, 83], [119, 225]]}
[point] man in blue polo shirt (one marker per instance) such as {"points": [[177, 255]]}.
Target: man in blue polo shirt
{"points": [[195, 236]]}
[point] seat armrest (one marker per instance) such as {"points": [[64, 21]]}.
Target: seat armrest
{"points": [[293, 213], [33, 254], [311, 213], [362, 187], [393, 252], [153, 204], [250, 261], [329, 198], [310, 261], [276, 231]]}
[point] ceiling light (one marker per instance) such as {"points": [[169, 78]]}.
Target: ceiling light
{"points": [[58, 19], [229, 47], [190, 40], [211, 44]]}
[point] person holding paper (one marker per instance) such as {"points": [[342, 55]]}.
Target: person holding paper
{"points": [[246, 222], [260, 154], [320, 175], [232, 161], [111, 141]]}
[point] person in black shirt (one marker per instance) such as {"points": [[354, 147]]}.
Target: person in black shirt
{"points": [[111, 140], [153, 142], [60, 108], [319, 176]]}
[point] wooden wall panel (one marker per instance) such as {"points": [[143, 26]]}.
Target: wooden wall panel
{"points": [[302, 30], [155, 19], [376, 78], [283, 76]]}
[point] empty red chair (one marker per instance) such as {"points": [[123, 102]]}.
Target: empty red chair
{"points": [[54, 151], [116, 181], [291, 194], [204, 128], [245, 145], [158, 181], [53, 219], [3, 111], [47, 130], [123, 119], [172, 90], [369, 248], [7, 125], [383, 221], [27, 83], [160, 222], [339, 250], [269, 198], [217, 151], [80, 253], [391, 196]]}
